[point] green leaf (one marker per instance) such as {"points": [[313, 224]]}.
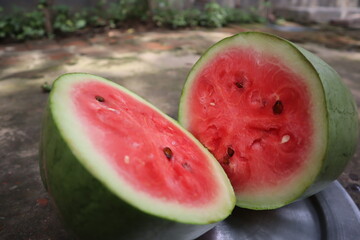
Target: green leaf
{"points": [[80, 23]]}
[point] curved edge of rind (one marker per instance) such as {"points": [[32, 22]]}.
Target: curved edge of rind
{"points": [[330, 167], [54, 153], [89, 209], [343, 123]]}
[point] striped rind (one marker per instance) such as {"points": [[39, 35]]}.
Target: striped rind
{"points": [[335, 134], [89, 192]]}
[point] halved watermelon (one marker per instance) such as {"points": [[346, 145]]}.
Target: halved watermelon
{"points": [[277, 118], [118, 168]]}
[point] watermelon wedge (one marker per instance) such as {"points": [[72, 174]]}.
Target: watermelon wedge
{"points": [[277, 118], [118, 168]]}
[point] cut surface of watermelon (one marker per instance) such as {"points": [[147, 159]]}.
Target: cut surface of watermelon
{"points": [[108, 156], [148, 151], [259, 106], [272, 118]]}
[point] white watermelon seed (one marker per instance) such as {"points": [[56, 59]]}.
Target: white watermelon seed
{"points": [[127, 159], [257, 144], [135, 145], [113, 110], [285, 139]]}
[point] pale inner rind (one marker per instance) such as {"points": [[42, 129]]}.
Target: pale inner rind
{"points": [[290, 190], [74, 133]]}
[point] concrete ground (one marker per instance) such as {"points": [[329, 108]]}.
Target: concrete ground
{"points": [[152, 64]]}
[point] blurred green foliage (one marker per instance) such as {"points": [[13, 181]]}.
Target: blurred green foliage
{"points": [[212, 16], [65, 21], [21, 25]]}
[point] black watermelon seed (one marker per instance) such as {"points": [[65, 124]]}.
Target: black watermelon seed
{"points": [[168, 153], [239, 84], [230, 152], [278, 107], [100, 99], [241, 81]]}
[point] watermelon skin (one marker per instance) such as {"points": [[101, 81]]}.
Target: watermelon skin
{"points": [[89, 209], [339, 122], [342, 125]]}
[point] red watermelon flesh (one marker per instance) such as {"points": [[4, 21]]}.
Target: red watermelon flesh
{"points": [[261, 116], [149, 152], [118, 168], [269, 140], [278, 118]]}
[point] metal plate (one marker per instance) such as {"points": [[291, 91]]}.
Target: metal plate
{"points": [[330, 214]]}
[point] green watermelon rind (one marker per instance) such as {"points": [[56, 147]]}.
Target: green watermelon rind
{"points": [[343, 123], [336, 144], [97, 204]]}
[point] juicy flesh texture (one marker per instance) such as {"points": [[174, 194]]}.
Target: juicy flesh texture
{"points": [[252, 113], [147, 150]]}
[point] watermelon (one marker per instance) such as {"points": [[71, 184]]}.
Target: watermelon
{"points": [[118, 168], [277, 118]]}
